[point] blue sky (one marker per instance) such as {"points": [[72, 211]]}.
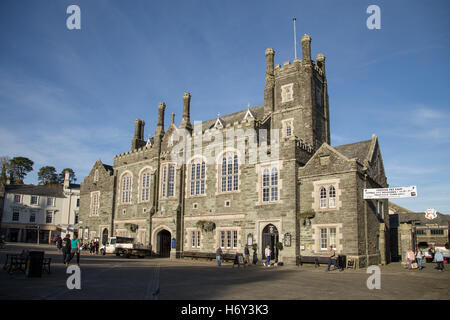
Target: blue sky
{"points": [[69, 97]]}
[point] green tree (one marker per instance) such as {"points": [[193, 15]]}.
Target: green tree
{"points": [[18, 168], [47, 175], [72, 178]]}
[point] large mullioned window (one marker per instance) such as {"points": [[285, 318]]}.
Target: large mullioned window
{"points": [[230, 173], [145, 186], [126, 188], [168, 180], [95, 203], [198, 178], [270, 184]]}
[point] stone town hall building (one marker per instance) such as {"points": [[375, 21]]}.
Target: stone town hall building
{"points": [[307, 198]]}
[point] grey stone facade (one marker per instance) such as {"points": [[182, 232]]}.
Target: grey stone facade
{"points": [[296, 106]]}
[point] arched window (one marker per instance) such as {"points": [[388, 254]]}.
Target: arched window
{"points": [[323, 197], [168, 180], [198, 178], [274, 189], [96, 175], [266, 185], [145, 186], [230, 173], [126, 188], [270, 184], [332, 197]]}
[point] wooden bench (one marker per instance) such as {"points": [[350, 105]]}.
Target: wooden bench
{"points": [[317, 260], [207, 255]]}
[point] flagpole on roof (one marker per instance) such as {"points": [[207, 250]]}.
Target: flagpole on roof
{"points": [[295, 41]]}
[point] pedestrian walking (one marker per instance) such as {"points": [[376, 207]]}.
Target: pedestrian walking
{"points": [[219, 254], [59, 243], [91, 247], [75, 249], [439, 259], [332, 259], [97, 246], [247, 254], [411, 258], [66, 249], [419, 258], [267, 253]]}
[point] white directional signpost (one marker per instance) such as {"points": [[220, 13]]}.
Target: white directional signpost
{"points": [[390, 193]]}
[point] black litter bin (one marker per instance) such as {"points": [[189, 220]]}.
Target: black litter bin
{"points": [[34, 263], [342, 261]]}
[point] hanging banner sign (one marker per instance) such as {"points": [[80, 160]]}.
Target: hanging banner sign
{"points": [[387, 193]]}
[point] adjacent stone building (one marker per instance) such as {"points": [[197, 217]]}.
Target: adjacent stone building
{"points": [[411, 230], [266, 175]]}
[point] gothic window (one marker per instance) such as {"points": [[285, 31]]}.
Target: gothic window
{"points": [[95, 203], [168, 180], [145, 186], [270, 184], [230, 173], [332, 197], [96, 175], [197, 178], [323, 197], [288, 130], [126, 188], [287, 127]]}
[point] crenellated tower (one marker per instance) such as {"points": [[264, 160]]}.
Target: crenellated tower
{"points": [[296, 96]]}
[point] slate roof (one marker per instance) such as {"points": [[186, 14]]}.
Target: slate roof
{"points": [[49, 191], [418, 218], [107, 167], [258, 113], [358, 150]]}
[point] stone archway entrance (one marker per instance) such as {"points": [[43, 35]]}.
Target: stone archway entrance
{"points": [[163, 243], [270, 238]]}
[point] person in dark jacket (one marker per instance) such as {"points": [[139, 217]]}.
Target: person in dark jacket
{"points": [[247, 254], [219, 254], [66, 249], [59, 243]]}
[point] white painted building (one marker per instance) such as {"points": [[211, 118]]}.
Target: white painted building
{"points": [[29, 210]]}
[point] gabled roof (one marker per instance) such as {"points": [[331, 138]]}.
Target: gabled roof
{"points": [[357, 150], [257, 112], [49, 191]]}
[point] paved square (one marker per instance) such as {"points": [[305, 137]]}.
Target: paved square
{"points": [[111, 277]]}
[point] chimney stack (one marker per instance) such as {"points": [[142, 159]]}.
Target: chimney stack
{"points": [[306, 49], [186, 120], [138, 139], [269, 95], [66, 179]]}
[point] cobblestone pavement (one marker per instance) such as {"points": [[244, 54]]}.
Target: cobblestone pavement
{"points": [[111, 277]]}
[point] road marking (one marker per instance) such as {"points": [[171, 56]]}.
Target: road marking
{"points": [[59, 292], [153, 287]]}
